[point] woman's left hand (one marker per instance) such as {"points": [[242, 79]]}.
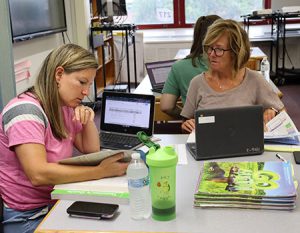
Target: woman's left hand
{"points": [[83, 114], [269, 114]]}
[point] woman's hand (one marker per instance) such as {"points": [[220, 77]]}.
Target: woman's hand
{"points": [[83, 114], [269, 114], [112, 166], [188, 125], [87, 140]]}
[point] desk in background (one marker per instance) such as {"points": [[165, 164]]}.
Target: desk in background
{"points": [[145, 88], [188, 218]]}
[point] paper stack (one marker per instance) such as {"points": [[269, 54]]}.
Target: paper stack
{"points": [[250, 185], [282, 134]]}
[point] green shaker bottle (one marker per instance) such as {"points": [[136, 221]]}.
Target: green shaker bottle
{"points": [[162, 169]]}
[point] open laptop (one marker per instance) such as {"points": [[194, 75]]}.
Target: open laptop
{"points": [[228, 132], [122, 116], [158, 73]]}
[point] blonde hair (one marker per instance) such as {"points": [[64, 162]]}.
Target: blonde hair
{"points": [[72, 58], [238, 41]]}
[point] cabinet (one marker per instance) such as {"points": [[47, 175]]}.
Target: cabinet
{"points": [[102, 43]]}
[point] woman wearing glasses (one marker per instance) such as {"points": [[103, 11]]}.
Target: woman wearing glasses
{"points": [[228, 82], [184, 70]]}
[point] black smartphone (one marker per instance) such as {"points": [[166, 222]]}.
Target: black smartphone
{"points": [[92, 210], [297, 156]]}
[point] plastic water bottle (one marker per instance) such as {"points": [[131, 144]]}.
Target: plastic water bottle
{"points": [[139, 189], [265, 68]]}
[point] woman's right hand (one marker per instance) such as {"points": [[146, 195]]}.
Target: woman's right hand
{"points": [[188, 125], [112, 166]]}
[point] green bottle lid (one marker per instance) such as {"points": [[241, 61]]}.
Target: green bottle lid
{"points": [[162, 157]]}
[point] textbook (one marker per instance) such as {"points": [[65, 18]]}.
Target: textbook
{"points": [[95, 158], [253, 185], [107, 190]]}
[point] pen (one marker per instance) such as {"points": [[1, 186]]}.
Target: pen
{"points": [[281, 158]]}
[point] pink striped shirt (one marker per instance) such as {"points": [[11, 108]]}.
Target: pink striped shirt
{"points": [[24, 121]]}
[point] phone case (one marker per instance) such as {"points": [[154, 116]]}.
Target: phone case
{"points": [[92, 210], [297, 157]]}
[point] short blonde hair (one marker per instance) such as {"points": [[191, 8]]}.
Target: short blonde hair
{"points": [[72, 58], [238, 41]]}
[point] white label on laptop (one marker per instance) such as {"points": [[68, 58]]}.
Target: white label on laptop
{"points": [[206, 119]]}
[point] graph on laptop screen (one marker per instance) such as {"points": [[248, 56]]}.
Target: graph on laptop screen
{"points": [[127, 111]]}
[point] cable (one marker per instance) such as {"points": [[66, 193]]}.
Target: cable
{"points": [[63, 37], [68, 37]]}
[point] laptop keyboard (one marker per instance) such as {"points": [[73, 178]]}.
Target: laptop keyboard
{"points": [[116, 141]]}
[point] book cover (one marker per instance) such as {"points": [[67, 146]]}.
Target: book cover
{"points": [[245, 206], [95, 158], [91, 196], [272, 179], [106, 190]]}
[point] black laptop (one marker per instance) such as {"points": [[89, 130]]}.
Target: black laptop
{"points": [[228, 132], [122, 116], [158, 73]]}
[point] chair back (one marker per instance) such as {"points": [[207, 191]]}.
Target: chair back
{"points": [[1, 215]]}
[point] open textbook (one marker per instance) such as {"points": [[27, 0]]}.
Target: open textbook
{"points": [[282, 130]]}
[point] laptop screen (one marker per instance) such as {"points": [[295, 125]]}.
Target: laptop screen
{"points": [[158, 71], [127, 113]]}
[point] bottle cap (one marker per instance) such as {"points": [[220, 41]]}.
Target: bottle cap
{"points": [[135, 155], [163, 157]]}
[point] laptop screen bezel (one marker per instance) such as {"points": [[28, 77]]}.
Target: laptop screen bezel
{"points": [[150, 69], [125, 128]]}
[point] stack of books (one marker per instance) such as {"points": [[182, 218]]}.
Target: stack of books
{"points": [[112, 190], [251, 185], [107, 190]]}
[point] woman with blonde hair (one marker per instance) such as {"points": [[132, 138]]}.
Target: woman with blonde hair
{"points": [[183, 71], [39, 128], [228, 82]]}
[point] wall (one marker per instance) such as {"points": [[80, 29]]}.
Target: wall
{"points": [[7, 84], [278, 4], [37, 49]]}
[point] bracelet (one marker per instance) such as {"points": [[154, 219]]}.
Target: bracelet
{"points": [[275, 110]]}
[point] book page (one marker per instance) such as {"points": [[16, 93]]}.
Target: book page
{"points": [[282, 130], [111, 184]]}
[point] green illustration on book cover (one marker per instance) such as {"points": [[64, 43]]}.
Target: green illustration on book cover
{"points": [[261, 179]]}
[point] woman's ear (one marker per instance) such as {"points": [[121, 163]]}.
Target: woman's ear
{"points": [[58, 73]]}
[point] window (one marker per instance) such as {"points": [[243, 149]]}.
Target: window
{"points": [[183, 13]]}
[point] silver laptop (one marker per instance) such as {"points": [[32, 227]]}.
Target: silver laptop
{"points": [[228, 132], [158, 73], [122, 116]]}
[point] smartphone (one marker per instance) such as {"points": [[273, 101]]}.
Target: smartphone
{"points": [[297, 156], [92, 210]]}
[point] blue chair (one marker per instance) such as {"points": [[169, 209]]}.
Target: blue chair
{"points": [[1, 215]]}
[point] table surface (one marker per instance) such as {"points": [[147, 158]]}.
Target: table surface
{"points": [[188, 218]]}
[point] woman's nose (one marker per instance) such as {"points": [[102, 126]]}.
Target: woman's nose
{"points": [[86, 91]]}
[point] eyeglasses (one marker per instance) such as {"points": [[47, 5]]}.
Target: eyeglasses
{"points": [[218, 51]]}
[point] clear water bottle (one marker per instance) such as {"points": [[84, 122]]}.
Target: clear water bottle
{"points": [[265, 68], [139, 189]]}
